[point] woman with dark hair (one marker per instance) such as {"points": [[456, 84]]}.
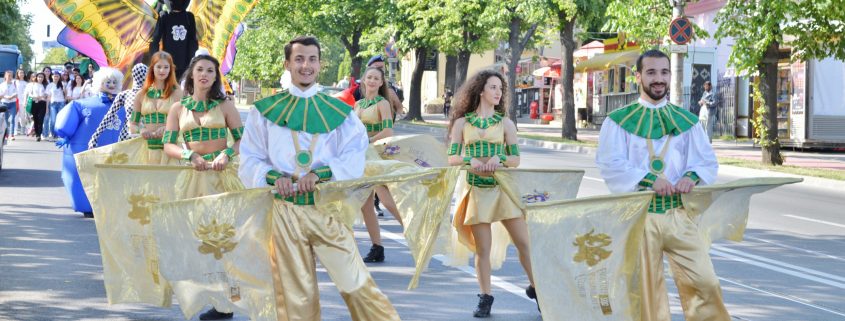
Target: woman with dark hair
{"points": [[75, 91], [37, 93], [479, 125], [375, 112], [56, 93], [152, 105], [203, 118], [21, 82]]}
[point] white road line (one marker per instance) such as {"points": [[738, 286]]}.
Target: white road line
{"points": [[783, 297], [494, 280], [820, 254], [778, 269], [594, 179], [814, 220], [780, 263]]}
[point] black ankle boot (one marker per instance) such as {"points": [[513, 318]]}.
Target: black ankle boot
{"points": [[376, 254], [213, 314], [532, 294], [485, 303]]}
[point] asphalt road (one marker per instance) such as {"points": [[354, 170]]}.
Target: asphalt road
{"points": [[788, 268]]}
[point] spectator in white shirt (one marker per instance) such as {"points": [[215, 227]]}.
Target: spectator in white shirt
{"points": [[37, 93], [76, 88], [21, 82], [9, 93]]}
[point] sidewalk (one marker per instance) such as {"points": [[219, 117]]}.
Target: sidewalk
{"points": [[733, 149]]}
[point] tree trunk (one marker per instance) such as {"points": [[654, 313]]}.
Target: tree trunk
{"points": [[461, 68], [567, 76], [768, 86], [451, 62], [415, 102], [353, 46], [517, 43]]}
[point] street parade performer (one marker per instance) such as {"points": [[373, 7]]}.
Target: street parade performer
{"points": [[202, 119], [75, 124], [377, 115], [293, 141], [159, 93], [654, 145], [483, 138], [121, 109]]}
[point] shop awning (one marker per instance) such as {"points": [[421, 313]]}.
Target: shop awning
{"points": [[603, 61]]}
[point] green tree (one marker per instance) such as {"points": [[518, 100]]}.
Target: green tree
{"points": [[760, 29], [346, 21], [260, 57], [15, 29], [416, 27], [55, 56], [644, 21], [521, 20], [462, 28], [568, 14]]}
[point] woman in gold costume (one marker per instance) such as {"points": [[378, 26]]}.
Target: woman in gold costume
{"points": [[152, 104], [483, 138]]}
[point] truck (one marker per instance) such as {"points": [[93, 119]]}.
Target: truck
{"points": [[10, 58]]}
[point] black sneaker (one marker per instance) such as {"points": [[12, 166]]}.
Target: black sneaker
{"points": [[379, 211], [485, 303], [376, 254], [213, 314], [88, 214]]}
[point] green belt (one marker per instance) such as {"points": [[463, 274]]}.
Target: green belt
{"points": [[480, 181], [155, 118], [212, 156], [201, 134], [299, 199], [155, 144], [374, 127], [484, 149], [661, 204]]}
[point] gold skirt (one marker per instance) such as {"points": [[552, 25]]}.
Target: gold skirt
{"points": [[482, 205]]}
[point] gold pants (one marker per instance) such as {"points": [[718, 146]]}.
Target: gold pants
{"points": [[701, 296], [300, 233]]}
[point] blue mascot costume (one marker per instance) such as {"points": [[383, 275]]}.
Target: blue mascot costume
{"points": [[75, 125]]}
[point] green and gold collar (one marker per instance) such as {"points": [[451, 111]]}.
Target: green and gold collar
{"points": [[653, 123], [367, 103], [199, 106], [483, 123], [154, 93], [317, 114]]}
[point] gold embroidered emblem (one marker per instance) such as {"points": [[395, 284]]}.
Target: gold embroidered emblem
{"points": [[590, 248], [216, 238], [119, 158], [140, 207]]}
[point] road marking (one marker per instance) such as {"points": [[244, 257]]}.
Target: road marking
{"points": [[783, 297], [778, 269], [820, 254], [494, 280], [594, 179], [814, 220], [780, 263]]}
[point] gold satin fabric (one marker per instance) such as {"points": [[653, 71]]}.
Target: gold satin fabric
{"points": [[585, 256], [121, 198], [422, 150], [711, 213], [301, 233], [517, 188], [132, 151], [214, 251]]}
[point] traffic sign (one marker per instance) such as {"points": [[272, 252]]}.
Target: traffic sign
{"points": [[678, 48], [680, 30]]}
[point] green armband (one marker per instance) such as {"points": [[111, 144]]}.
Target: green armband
{"points": [[170, 136], [467, 160], [229, 152], [186, 154], [512, 150], [502, 158], [693, 176], [324, 173], [455, 149], [136, 116], [648, 180], [272, 176], [387, 123], [237, 133]]}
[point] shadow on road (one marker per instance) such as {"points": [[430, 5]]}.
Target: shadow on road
{"points": [[17, 177]]}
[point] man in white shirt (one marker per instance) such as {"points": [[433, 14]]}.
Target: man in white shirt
{"points": [[9, 93], [294, 140], [654, 145]]}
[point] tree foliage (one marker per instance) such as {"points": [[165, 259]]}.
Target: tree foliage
{"points": [[812, 29], [644, 21], [55, 56], [14, 29]]}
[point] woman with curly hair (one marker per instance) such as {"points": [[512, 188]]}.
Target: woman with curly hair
{"points": [[151, 105], [483, 138]]}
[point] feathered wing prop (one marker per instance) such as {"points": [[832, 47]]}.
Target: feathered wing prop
{"points": [[122, 27], [84, 44], [217, 22]]}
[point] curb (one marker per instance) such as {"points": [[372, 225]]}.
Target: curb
{"points": [[522, 141], [723, 169]]}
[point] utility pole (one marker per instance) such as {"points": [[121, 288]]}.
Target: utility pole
{"points": [[676, 88]]}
